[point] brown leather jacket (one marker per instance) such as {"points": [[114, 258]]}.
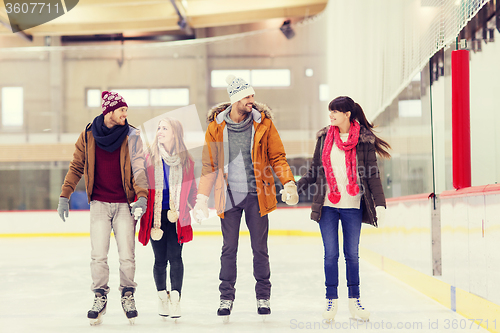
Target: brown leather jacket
{"points": [[131, 159], [368, 173], [267, 152]]}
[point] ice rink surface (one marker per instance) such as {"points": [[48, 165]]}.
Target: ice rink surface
{"points": [[46, 288]]}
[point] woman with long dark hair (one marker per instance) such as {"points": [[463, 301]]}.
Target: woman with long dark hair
{"points": [[172, 194], [348, 188]]}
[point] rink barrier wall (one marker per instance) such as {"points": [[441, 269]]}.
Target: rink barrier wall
{"points": [[485, 313], [470, 257]]}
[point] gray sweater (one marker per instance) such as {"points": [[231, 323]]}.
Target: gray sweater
{"points": [[241, 176]]}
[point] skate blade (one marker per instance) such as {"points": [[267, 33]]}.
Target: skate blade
{"points": [[225, 319], [98, 320], [95, 322], [360, 320], [131, 321]]}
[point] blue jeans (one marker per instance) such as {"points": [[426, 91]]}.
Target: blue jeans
{"points": [[351, 229]]}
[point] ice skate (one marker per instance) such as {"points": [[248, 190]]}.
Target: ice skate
{"points": [[331, 309], [128, 304], [163, 300], [225, 308], [98, 308], [357, 309], [175, 303], [263, 308]]}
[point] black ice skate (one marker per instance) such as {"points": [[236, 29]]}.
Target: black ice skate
{"points": [[225, 308], [128, 304], [99, 308], [263, 307]]}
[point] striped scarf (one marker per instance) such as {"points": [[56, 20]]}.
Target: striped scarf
{"points": [[175, 185]]}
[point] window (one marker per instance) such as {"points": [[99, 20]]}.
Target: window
{"points": [[410, 108], [270, 78], [169, 97], [324, 92], [144, 97], [12, 106], [134, 97], [93, 98], [255, 77]]}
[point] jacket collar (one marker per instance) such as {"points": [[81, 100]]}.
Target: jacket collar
{"points": [[262, 109], [365, 135], [257, 117]]}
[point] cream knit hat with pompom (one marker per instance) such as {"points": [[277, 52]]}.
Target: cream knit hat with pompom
{"points": [[238, 88]]}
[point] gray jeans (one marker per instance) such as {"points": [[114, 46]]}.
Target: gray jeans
{"points": [[258, 227], [104, 217]]}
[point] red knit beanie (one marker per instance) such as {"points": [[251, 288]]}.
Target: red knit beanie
{"points": [[111, 101]]}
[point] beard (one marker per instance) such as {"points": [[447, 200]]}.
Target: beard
{"points": [[243, 110]]}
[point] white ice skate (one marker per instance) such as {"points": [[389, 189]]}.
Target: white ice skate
{"points": [[225, 308], [128, 304], [357, 309], [163, 301], [175, 303], [331, 309], [98, 308]]}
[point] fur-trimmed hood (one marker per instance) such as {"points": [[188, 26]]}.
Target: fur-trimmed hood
{"points": [[261, 107], [365, 135]]}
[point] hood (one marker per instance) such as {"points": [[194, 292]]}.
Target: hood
{"points": [[261, 107], [365, 135]]}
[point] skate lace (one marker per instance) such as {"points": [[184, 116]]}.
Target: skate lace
{"points": [[263, 303], [358, 305], [99, 303], [225, 304], [128, 303], [329, 305]]}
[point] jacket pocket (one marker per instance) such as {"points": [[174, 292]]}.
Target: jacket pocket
{"points": [[269, 194]]}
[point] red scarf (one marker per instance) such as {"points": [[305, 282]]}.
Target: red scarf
{"points": [[349, 147]]}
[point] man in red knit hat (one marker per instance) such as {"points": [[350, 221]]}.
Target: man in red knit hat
{"points": [[109, 155]]}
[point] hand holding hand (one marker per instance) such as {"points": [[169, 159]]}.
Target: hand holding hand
{"points": [[200, 210], [289, 194], [380, 210], [138, 208], [63, 208]]}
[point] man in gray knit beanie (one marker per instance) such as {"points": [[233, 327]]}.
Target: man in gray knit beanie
{"points": [[242, 149]]}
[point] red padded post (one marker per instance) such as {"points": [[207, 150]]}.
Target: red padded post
{"points": [[460, 105]]}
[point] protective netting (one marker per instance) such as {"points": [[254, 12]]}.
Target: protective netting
{"points": [[377, 47]]}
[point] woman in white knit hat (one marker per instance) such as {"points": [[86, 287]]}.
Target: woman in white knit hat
{"points": [[172, 194]]}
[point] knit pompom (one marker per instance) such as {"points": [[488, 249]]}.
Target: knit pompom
{"points": [[352, 189], [173, 215], [104, 93], [230, 78], [156, 234], [334, 197]]}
